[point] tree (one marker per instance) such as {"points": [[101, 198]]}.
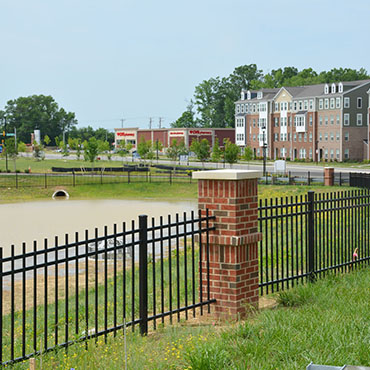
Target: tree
{"points": [[187, 119], [216, 152], [201, 149], [231, 152], [11, 150], [91, 148], [22, 147], [143, 148], [174, 151], [47, 140], [25, 114], [38, 151], [248, 154]]}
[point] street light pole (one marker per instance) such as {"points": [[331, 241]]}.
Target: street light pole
{"points": [[264, 147], [6, 151]]}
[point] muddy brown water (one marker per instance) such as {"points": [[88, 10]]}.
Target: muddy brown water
{"points": [[26, 222]]}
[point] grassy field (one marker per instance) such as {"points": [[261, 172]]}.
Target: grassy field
{"points": [[326, 322]]}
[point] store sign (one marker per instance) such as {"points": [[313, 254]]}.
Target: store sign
{"points": [[176, 133], [125, 134], [200, 132]]}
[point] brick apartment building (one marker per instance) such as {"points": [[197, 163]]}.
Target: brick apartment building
{"points": [[325, 121], [167, 135]]}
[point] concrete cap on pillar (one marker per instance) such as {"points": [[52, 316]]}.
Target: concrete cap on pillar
{"points": [[228, 174]]}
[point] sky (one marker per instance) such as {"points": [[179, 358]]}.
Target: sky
{"points": [[132, 60]]}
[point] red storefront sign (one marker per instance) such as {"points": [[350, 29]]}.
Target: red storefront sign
{"points": [[125, 134], [200, 132], [176, 133]]}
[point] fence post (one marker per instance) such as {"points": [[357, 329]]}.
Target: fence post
{"points": [[308, 178], [231, 250], [289, 179], [46, 185], [74, 180], [16, 180], [143, 274], [311, 236]]}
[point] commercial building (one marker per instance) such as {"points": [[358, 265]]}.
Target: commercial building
{"points": [[167, 135], [324, 121]]}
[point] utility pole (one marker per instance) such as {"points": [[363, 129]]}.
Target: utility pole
{"points": [[122, 120]]}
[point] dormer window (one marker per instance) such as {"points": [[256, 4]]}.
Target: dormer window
{"points": [[248, 95], [259, 95], [340, 87], [333, 89], [242, 95], [326, 90]]}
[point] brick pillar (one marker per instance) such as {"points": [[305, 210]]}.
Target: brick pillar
{"points": [[328, 176], [231, 196]]}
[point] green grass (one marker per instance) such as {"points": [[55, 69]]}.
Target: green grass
{"points": [[326, 322]]}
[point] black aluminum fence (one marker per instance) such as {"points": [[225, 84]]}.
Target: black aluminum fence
{"points": [[307, 236], [97, 284], [303, 178], [359, 180], [45, 180]]}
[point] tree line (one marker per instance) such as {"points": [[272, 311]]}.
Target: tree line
{"points": [[41, 112], [213, 102]]}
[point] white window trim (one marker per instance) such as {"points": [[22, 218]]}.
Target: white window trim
{"points": [[346, 117], [359, 100], [346, 103], [359, 122]]}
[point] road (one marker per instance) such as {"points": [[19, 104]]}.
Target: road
{"points": [[295, 168]]}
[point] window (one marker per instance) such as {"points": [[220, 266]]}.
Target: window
{"points": [[346, 153], [295, 137], [258, 107], [254, 108], [282, 152], [326, 153], [326, 120], [321, 104], [254, 122], [332, 136], [290, 121], [276, 137], [237, 108], [310, 137], [346, 102], [346, 136], [332, 103], [359, 103], [300, 104], [338, 120], [259, 95], [281, 137], [326, 89], [295, 105], [276, 121], [326, 102], [326, 136], [333, 88], [310, 153], [331, 119], [331, 153], [338, 152], [305, 137], [300, 137], [320, 120], [306, 105], [338, 135], [346, 119], [340, 87], [276, 107], [290, 105], [258, 152], [310, 120], [337, 103], [359, 119], [320, 136], [311, 104], [254, 137], [242, 108]]}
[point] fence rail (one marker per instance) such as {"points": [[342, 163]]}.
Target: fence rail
{"points": [[306, 237], [135, 274]]}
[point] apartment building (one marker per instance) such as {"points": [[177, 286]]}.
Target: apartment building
{"points": [[325, 121]]}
